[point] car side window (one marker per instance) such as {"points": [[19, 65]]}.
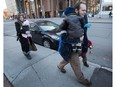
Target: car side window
{"points": [[52, 24], [33, 26]]}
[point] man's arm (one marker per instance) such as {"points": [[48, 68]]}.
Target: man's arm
{"points": [[63, 26]]}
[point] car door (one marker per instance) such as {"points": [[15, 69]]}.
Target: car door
{"points": [[36, 33]]}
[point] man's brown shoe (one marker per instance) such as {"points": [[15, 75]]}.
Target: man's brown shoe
{"points": [[86, 82], [62, 70]]}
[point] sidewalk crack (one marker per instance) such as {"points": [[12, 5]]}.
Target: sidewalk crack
{"points": [[30, 64], [38, 76]]}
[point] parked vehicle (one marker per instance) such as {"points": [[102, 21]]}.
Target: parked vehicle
{"points": [[105, 9], [41, 34], [89, 15]]}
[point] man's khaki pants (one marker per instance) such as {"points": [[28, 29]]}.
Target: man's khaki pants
{"points": [[75, 64]]}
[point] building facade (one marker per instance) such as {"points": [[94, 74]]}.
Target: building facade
{"points": [[10, 9], [50, 8]]}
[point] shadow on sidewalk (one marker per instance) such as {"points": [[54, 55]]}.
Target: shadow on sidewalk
{"points": [[7, 82], [101, 78]]}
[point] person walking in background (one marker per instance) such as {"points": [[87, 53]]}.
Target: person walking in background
{"points": [[110, 14], [24, 36], [33, 15], [86, 43]]}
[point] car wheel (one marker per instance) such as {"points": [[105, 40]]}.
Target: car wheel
{"points": [[47, 43]]}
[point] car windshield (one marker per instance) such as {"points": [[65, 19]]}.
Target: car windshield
{"points": [[47, 25]]}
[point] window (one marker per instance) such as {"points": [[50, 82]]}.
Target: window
{"points": [[107, 8], [47, 26], [33, 26]]}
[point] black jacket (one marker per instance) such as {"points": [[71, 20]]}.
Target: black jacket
{"points": [[83, 21], [72, 24], [85, 40], [21, 29]]}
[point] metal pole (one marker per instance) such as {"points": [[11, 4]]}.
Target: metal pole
{"points": [[86, 5], [42, 7], [30, 13], [93, 8], [100, 5], [35, 8], [69, 3]]}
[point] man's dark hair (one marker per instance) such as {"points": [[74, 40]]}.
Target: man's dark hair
{"points": [[77, 5]]}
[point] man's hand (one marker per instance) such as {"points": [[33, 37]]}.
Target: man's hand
{"points": [[81, 38]]}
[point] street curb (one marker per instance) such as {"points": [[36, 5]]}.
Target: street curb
{"points": [[89, 20], [101, 22], [106, 68], [99, 66]]}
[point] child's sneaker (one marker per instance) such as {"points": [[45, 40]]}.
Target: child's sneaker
{"points": [[86, 64]]}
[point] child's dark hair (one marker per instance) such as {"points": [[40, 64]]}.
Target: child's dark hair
{"points": [[69, 11], [77, 5]]}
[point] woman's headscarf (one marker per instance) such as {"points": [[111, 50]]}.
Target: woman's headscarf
{"points": [[18, 19]]}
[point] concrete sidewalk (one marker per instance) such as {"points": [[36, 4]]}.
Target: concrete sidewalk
{"points": [[41, 71]]}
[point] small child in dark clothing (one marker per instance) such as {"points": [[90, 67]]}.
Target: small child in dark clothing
{"points": [[72, 25]]}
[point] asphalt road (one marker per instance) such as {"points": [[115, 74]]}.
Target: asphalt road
{"points": [[99, 33]]}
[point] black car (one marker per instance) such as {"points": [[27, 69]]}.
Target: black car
{"points": [[41, 34]]}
